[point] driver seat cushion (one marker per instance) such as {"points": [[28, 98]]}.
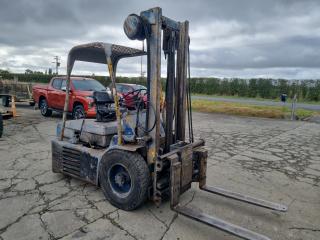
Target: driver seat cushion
{"points": [[102, 98], [104, 112]]}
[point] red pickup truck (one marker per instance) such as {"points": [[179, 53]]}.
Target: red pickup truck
{"points": [[51, 97]]}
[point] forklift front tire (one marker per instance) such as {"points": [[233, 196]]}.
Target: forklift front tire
{"points": [[124, 178]]}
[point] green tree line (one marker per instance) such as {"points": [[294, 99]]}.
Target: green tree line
{"points": [[254, 87], [257, 87]]}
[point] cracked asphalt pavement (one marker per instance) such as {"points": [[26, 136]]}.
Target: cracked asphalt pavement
{"points": [[275, 160]]}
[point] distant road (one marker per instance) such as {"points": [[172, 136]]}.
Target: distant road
{"points": [[314, 107]]}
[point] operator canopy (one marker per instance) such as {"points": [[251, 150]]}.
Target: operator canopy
{"points": [[98, 52]]}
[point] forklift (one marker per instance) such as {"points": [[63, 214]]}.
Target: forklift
{"points": [[145, 153], [4, 115]]}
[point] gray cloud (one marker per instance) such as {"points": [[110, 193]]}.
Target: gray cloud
{"points": [[276, 38]]}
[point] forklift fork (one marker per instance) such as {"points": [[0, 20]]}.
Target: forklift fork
{"points": [[176, 177]]}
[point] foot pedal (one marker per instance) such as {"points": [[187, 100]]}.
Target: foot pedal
{"points": [[244, 198]]}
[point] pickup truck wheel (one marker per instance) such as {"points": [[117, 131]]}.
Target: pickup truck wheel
{"points": [[124, 178], [5, 101], [43, 106], [78, 112]]}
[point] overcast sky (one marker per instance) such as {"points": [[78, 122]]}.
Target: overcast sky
{"points": [[229, 38]]}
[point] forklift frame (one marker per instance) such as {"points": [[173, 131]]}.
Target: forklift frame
{"points": [[185, 161]]}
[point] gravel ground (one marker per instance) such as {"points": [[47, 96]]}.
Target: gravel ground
{"points": [[273, 159]]}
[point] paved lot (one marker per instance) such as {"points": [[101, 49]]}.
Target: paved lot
{"points": [[275, 160]]}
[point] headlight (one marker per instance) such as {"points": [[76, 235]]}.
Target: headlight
{"points": [[90, 101], [90, 98]]}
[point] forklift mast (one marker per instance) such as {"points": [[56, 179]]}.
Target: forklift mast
{"points": [[152, 26], [183, 155]]}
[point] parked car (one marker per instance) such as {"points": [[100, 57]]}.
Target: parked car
{"points": [[131, 94], [51, 97]]}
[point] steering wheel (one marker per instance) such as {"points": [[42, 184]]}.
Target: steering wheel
{"points": [[138, 91]]}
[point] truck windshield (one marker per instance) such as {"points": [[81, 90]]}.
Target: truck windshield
{"points": [[88, 85]]}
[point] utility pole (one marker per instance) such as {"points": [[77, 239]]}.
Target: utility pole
{"points": [[293, 107], [57, 62]]}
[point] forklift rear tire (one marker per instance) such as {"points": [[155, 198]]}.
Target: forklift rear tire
{"points": [[124, 178], [5, 101], [1, 125]]}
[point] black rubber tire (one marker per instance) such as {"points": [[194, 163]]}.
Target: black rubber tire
{"points": [[77, 111], [43, 106], [139, 175], [1, 125], [5, 101], [32, 104]]}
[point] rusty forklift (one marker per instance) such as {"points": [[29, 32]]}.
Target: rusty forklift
{"points": [[141, 154]]}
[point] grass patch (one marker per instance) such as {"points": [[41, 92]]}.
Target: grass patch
{"points": [[242, 109], [289, 100]]}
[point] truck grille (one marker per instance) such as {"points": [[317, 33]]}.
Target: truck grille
{"points": [[71, 161]]}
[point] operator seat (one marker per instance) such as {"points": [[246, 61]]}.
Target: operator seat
{"points": [[103, 101]]}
